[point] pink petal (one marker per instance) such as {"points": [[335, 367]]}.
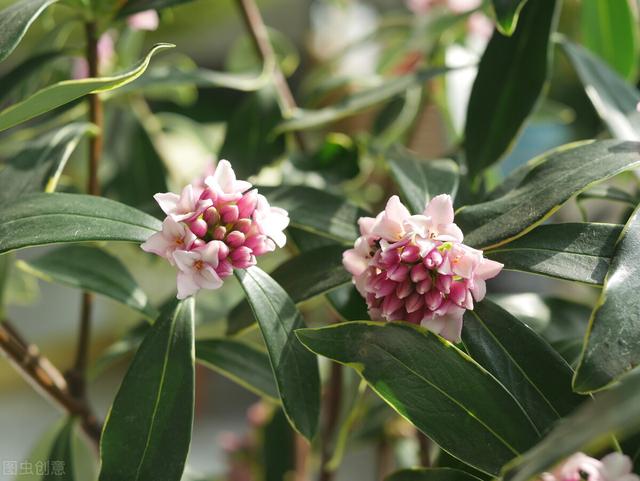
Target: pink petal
{"points": [[156, 244], [185, 259], [354, 262], [168, 201], [147, 20], [186, 285], [488, 269], [440, 209]]}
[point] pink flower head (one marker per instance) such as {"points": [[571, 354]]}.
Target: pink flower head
{"points": [[415, 268], [215, 225], [147, 20], [580, 467]]}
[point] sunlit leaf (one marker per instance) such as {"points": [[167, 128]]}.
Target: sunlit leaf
{"points": [[507, 13], [15, 20]]}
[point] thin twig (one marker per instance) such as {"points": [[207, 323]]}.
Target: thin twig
{"points": [[260, 35], [333, 396], [38, 371], [424, 444]]}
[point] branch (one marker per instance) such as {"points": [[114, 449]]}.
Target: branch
{"points": [[38, 371], [258, 30]]}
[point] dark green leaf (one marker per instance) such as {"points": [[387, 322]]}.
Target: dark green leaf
{"points": [[433, 385], [522, 361], [608, 192], [39, 164], [62, 452], [317, 212], [15, 20], [420, 180], [358, 102], [613, 97], [609, 29], [349, 303], [38, 219], [90, 269], [612, 345], [545, 184], [507, 13], [295, 368], [512, 74], [240, 362], [310, 274], [67, 90], [248, 140], [590, 428], [431, 474], [278, 448], [134, 6], [23, 71], [148, 430], [576, 252], [336, 159]]}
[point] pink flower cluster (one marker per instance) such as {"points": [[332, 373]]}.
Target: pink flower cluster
{"points": [[580, 467], [213, 226], [415, 268]]}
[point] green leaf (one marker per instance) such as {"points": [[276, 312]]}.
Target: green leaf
{"points": [[38, 165], [90, 269], [574, 251], [589, 429], [609, 30], [148, 429], [240, 362], [356, 103], [21, 73], [608, 192], [612, 96], [433, 385], [512, 74], [348, 303], [295, 368], [611, 346], [15, 20], [544, 185], [420, 180], [127, 344], [38, 219], [278, 448], [134, 6], [317, 212], [62, 452], [248, 140], [65, 91], [431, 474], [525, 364], [507, 13], [307, 275]]}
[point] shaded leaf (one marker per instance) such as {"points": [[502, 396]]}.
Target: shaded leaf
{"points": [[507, 13], [512, 74], [295, 368], [544, 185], [349, 303], [613, 98], [608, 192], [90, 269], [525, 364], [431, 474], [38, 219], [62, 452], [432, 384], [240, 362], [356, 103], [148, 430], [307, 275], [612, 344], [317, 212], [67, 90], [613, 412], [40, 163], [574, 251], [15, 20], [278, 448], [420, 180]]}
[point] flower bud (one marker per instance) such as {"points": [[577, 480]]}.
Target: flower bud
{"points": [[247, 203], [243, 225], [219, 232], [229, 213], [235, 239], [242, 258], [410, 254], [211, 216], [433, 299], [199, 227]]}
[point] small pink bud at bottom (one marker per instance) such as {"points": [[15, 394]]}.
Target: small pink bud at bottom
{"points": [[458, 293], [219, 232], [391, 304], [414, 317], [384, 287], [419, 273], [243, 225], [443, 283], [400, 273], [259, 244], [235, 239], [199, 227], [414, 302], [404, 289], [211, 216], [424, 286], [224, 269], [242, 258], [229, 213], [223, 251], [410, 254], [433, 299]]}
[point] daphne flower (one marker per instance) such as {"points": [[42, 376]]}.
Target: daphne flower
{"points": [[147, 20], [415, 268], [215, 225], [580, 467]]}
